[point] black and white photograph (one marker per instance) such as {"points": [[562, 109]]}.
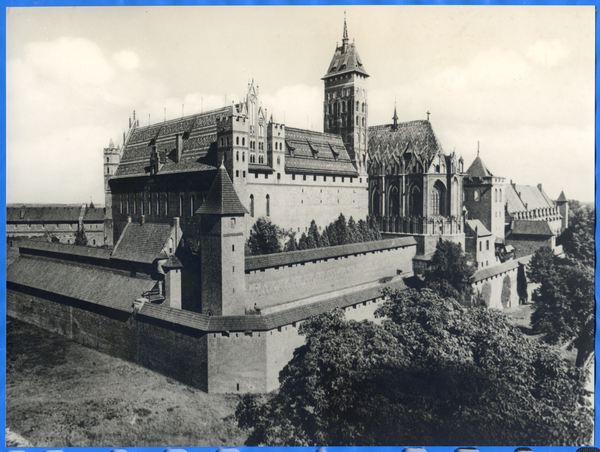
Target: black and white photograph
{"points": [[318, 226]]}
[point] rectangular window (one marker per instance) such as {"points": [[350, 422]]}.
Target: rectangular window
{"points": [[278, 176], [324, 178], [293, 177], [304, 177]]}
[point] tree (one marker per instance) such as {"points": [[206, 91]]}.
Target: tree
{"points": [[431, 373], [80, 237], [315, 235], [290, 245], [578, 239], [564, 303], [449, 271], [265, 238]]}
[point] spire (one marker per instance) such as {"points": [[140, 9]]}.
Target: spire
{"points": [[222, 198], [111, 144], [395, 118], [345, 35]]}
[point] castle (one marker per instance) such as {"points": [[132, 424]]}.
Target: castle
{"points": [[176, 292]]}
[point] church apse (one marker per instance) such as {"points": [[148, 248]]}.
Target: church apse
{"points": [[414, 188]]}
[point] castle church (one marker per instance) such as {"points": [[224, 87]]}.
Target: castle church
{"points": [[176, 293]]}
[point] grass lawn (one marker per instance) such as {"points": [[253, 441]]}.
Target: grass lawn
{"points": [[61, 394]]}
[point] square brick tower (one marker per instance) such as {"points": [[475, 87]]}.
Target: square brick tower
{"points": [[222, 260]]}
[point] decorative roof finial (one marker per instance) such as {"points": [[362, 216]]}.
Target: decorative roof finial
{"points": [[478, 149], [395, 118], [345, 35], [428, 115]]}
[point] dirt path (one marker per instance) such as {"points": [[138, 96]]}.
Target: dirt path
{"points": [[61, 394]]}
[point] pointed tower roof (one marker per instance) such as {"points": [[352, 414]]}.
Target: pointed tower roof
{"points": [[395, 117], [478, 169], [345, 59], [562, 197], [222, 198]]}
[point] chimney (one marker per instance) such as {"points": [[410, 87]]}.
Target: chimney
{"points": [[540, 187], [142, 219], [176, 226], [179, 147]]}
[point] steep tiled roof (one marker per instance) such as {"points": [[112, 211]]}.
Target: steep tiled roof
{"points": [[62, 250], [346, 61], [478, 169], [417, 137], [329, 252], [48, 214], [530, 227], [142, 242], [494, 270], [94, 214], [200, 136], [116, 290], [482, 231], [526, 197], [222, 198], [316, 153], [262, 322]]}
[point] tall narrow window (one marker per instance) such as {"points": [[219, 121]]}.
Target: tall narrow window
{"points": [[158, 204], [181, 205], [237, 140], [134, 204], [127, 205], [268, 206], [435, 201], [142, 205], [237, 156], [500, 195], [495, 195], [192, 207], [252, 205], [243, 156], [166, 204], [121, 203], [149, 203], [243, 141]]}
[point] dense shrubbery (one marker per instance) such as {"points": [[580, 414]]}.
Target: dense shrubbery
{"points": [[432, 373], [268, 238]]}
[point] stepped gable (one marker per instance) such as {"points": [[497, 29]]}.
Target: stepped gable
{"points": [[391, 142], [142, 242], [526, 197], [43, 214], [92, 284], [308, 152], [199, 140], [478, 169], [530, 227], [222, 198]]}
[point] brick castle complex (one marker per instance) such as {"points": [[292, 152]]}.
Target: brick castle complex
{"points": [[173, 289]]}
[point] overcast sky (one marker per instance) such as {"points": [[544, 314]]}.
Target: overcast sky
{"points": [[519, 80]]}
